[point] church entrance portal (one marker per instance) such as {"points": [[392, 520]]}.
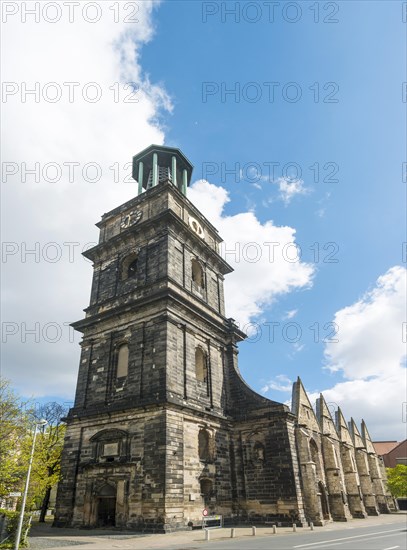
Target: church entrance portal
{"points": [[106, 506]]}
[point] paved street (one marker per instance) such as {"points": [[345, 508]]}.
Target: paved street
{"points": [[386, 532], [385, 537]]}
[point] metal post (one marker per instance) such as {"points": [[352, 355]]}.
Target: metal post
{"points": [[27, 483], [184, 182], [274, 529], [254, 531], [174, 170], [294, 528], [140, 177], [311, 526], [232, 533], [207, 534], [155, 170]]}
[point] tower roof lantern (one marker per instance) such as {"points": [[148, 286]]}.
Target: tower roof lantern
{"points": [[159, 164]]}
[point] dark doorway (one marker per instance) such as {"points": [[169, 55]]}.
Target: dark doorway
{"points": [[324, 501], [107, 506]]}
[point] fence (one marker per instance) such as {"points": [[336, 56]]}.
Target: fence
{"points": [[212, 522]]}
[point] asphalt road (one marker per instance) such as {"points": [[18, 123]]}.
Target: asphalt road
{"points": [[385, 532], [379, 537]]}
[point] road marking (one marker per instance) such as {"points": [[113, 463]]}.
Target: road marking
{"points": [[367, 539], [391, 548], [343, 538]]}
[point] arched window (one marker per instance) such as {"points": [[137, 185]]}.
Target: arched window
{"points": [[132, 269], [122, 368], [316, 457], [129, 267], [197, 274], [314, 451], [205, 450], [259, 452], [201, 365]]}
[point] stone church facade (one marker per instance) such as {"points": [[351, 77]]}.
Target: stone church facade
{"points": [[163, 425]]}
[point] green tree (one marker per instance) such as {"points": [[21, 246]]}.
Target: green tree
{"points": [[47, 459], [17, 423], [397, 480], [14, 424]]}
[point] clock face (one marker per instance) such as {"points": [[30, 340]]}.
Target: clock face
{"points": [[196, 227], [131, 219]]}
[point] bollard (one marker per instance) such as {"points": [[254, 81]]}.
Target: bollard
{"points": [[207, 534], [311, 526], [232, 533], [294, 527], [254, 531], [274, 529]]}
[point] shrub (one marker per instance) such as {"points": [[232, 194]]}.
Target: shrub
{"points": [[8, 527], [397, 480]]}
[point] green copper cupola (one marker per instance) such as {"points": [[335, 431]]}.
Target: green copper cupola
{"points": [[158, 164]]}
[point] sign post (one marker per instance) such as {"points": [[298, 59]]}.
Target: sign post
{"points": [[212, 522]]}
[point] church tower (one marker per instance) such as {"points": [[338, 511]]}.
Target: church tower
{"points": [[163, 424]]}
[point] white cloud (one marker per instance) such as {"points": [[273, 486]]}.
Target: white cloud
{"points": [[280, 383], [321, 210], [289, 188], [42, 293], [378, 401], [290, 314], [370, 331], [370, 355], [288, 185], [262, 271], [42, 296], [295, 348]]}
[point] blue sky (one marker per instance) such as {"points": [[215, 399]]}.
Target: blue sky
{"points": [[363, 133], [350, 119]]}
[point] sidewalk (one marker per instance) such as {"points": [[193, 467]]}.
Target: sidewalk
{"points": [[43, 536]]}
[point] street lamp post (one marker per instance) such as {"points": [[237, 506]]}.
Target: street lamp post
{"points": [[27, 483]]}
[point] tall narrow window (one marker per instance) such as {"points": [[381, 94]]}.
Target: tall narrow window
{"points": [[197, 274], [335, 457], [122, 361], [315, 457], [205, 450], [201, 365], [314, 451]]}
